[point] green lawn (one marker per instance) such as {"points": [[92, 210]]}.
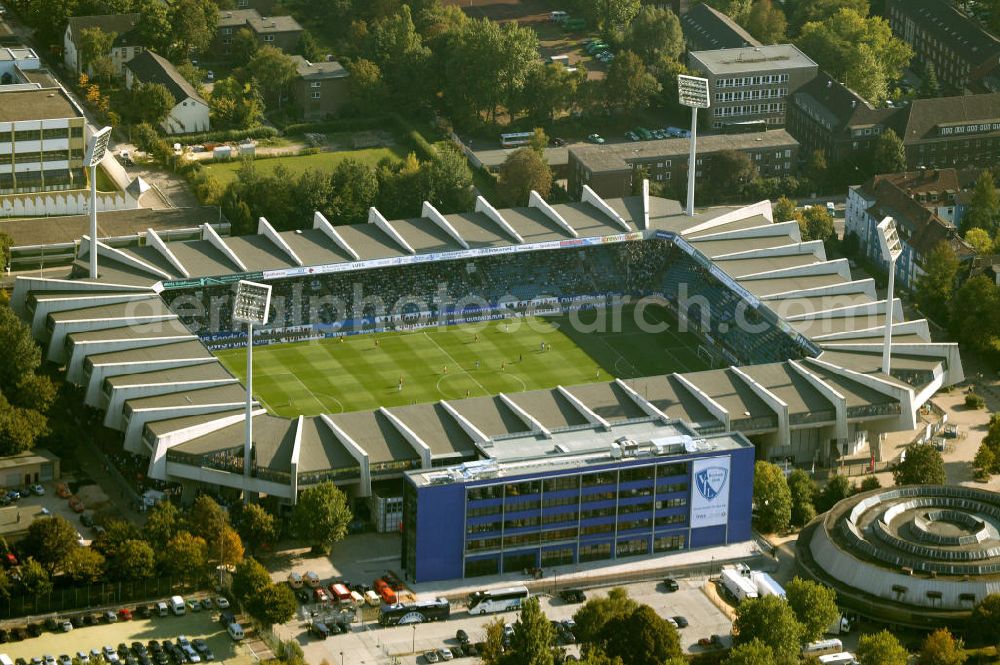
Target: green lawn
{"points": [[330, 376], [325, 161]]}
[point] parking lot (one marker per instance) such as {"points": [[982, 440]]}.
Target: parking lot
{"points": [[201, 625], [370, 643]]}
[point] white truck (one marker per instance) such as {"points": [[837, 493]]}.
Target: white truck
{"points": [[177, 605], [766, 585], [842, 658], [841, 625], [742, 587]]}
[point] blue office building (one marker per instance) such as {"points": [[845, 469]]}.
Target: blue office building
{"points": [[585, 494]]}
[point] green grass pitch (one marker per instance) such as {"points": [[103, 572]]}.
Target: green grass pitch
{"points": [[454, 362]]}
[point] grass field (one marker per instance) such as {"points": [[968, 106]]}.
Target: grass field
{"points": [[324, 161], [330, 376]]}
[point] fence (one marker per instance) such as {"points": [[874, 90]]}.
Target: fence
{"points": [[88, 598]]}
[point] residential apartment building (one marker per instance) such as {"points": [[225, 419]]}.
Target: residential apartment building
{"points": [[826, 115], [957, 47], [611, 170], [961, 132], [910, 199], [751, 85], [124, 47], [190, 112], [282, 32], [706, 28], [321, 88], [42, 141]]}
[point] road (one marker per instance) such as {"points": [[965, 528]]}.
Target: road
{"points": [[371, 644]]}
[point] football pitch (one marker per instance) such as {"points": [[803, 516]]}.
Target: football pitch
{"points": [[468, 360]]}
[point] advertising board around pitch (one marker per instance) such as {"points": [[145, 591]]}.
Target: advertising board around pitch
{"points": [[710, 491]]}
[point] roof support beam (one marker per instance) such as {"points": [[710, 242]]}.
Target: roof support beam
{"points": [[528, 419], [485, 207], [154, 240], [536, 201], [376, 218], [762, 208], [423, 450], [778, 405], [585, 410], [320, 222], [355, 451], [814, 247], [591, 197], [645, 204], [642, 402], [120, 256], [430, 212], [838, 400], [212, 236], [265, 229], [296, 454], [474, 432], [907, 419], [713, 407]]}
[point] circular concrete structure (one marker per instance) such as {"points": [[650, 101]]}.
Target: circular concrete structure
{"points": [[917, 555]]}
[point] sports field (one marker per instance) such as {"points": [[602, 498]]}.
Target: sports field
{"points": [[453, 362]]}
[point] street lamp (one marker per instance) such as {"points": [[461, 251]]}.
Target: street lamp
{"points": [[97, 147], [693, 92], [253, 303], [413, 642], [892, 247]]}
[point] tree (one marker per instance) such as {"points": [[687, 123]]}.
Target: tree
{"points": [[985, 619], [226, 549], [84, 565], [771, 498], [641, 636], [655, 33], [524, 170], [308, 48], [50, 541], [984, 207], [548, 91], [355, 188], [275, 603], [804, 11], [771, 620], [767, 22], [185, 555], [856, 49], [35, 579], [802, 489], [923, 466], [150, 103], [628, 87], [595, 613], [194, 23], [154, 28], [321, 516], [447, 180], [814, 605], [116, 532], [25, 395], [728, 172], [244, 47], [753, 652], [974, 318], [980, 240], [249, 578], [134, 560], [888, 155], [784, 210], [881, 648], [368, 89], [929, 86], [816, 224], [256, 526], [869, 483], [534, 638], [398, 49], [491, 652], [95, 53], [206, 518], [162, 522], [936, 287], [611, 16], [941, 648], [273, 70], [235, 105], [837, 489]]}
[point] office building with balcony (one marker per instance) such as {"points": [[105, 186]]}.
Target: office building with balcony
{"points": [[42, 141]]}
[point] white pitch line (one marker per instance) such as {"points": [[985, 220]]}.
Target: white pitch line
{"points": [[452, 359]]}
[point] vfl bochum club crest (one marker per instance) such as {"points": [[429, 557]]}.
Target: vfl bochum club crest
{"points": [[711, 481]]}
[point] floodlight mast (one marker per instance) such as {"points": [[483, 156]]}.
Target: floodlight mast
{"points": [[892, 247], [96, 149], [693, 92], [252, 306]]}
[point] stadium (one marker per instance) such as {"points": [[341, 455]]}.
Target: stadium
{"points": [[463, 349]]}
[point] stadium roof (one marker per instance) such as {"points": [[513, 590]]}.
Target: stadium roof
{"points": [[167, 382]]}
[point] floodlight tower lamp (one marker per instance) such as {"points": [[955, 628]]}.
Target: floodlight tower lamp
{"points": [[892, 248], [252, 307], [97, 147], [692, 91]]}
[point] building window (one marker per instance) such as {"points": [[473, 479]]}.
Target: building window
{"points": [[60, 133], [635, 547], [268, 38], [559, 557], [227, 31], [667, 543], [27, 135], [315, 84], [317, 95], [595, 552], [565, 483]]}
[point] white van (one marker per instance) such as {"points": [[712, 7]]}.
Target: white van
{"points": [[372, 598], [312, 579], [558, 15], [235, 631], [177, 605], [294, 580], [162, 609], [5, 659], [357, 599]]}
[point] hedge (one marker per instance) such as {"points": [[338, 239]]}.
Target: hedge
{"points": [[423, 149], [339, 125], [225, 135]]}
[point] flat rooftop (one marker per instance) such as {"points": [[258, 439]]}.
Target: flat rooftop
{"points": [[582, 447], [39, 104], [773, 58]]}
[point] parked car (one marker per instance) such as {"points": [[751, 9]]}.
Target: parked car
{"points": [[83, 657], [202, 648], [462, 637], [431, 657], [573, 595], [681, 622], [558, 142], [110, 617], [222, 603], [66, 625], [86, 519], [194, 605], [445, 654], [670, 584], [206, 603], [595, 138], [125, 614], [62, 491]]}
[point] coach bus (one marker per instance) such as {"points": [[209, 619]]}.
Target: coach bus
{"points": [[822, 648], [515, 139], [401, 614], [497, 600]]}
